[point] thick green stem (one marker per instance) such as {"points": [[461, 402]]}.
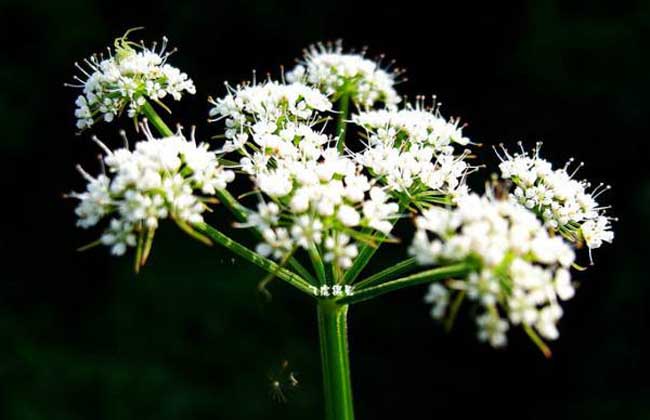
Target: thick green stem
{"points": [[240, 212], [423, 277], [341, 126], [257, 259], [332, 328], [155, 120]]}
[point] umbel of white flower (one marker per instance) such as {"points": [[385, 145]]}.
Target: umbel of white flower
{"points": [[564, 204], [412, 152], [336, 73], [520, 272], [125, 79], [336, 199], [169, 177], [313, 195]]}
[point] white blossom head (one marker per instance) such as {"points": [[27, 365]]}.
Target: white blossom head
{"points": [[310, 195], [516, 271], [337, 73], [256, 110], [413, 151], [565, 204], [125, 79], [315, 200], [169, 177]]}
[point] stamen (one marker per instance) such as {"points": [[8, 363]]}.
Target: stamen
{"points": [[505, 151], [193, 134], [84, 173], [575, 171], [568, 163], [125, 139], [101, 145], [81, 69], [607, 188], [101, 164]]}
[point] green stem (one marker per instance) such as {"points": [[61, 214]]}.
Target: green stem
{"points": [[240, 212], [366, 253], [412, 280], [399, 268], [264, 263], [155, 120], [332, 328], [317, 263], [341, 126], [241, 215]]}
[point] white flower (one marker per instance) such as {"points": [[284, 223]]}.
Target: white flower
{"points": [[412, 150], [438, 296], [596, 231], [340, 250], [562, 202], [161, 178], [516, 267], [323, 196], [379, 211], [336, 73], [492, 329], [257, 110], [277, 243], [307, 231], [419, 125], [119, 235], [130, 75], [348, 215]]}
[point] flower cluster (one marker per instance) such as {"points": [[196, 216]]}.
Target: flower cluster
{"points": [[517, 271], [128, 77], [161, 178], [337, 73], [259, 110], [562, 202], [411, 151], [317, 198]]}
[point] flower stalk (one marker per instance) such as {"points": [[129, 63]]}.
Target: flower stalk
{"points": [[255, 258], [341, 127], [155, 120], [427, 276]]}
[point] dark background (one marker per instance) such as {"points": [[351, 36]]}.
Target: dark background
{"points": [[82, 337]]}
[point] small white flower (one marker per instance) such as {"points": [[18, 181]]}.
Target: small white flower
{"points": [[348, 216], [413, 149], [521, 269], [438, 296], [130, 74], [277, 243], [161, 178], [562, 202], [492, 329], [336, 72], [320, 192], [596, 231], [307, 231], [340, 251]]}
